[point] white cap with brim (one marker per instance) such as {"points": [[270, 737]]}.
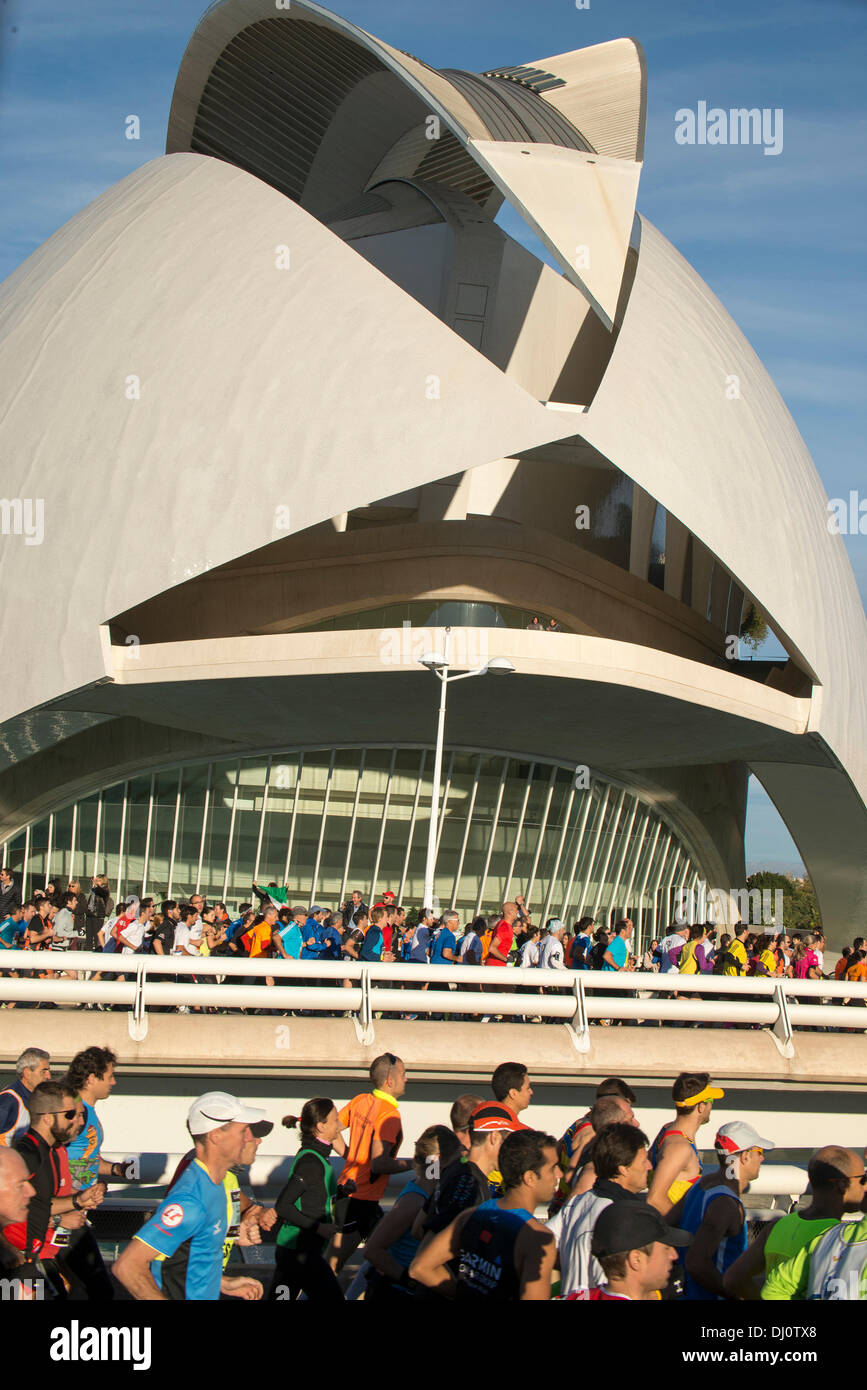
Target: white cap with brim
{"points": [[217, 1108], [736, 1137]]}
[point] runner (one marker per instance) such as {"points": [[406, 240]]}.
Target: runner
{"points": [[635, 1250], [502, 937], [621, 1163], [91, 1076], [306, 1208], [393, 1246], [831, 1268], [713, 1212], [245, 1213], [510, 1084], [579, 1133], [459, 1117], [502, 1251], [375, 1135], [466, 1182], [610, 1110], [178, 1253], [835, 1187], [31, 1068], [55, 1210], [673, 1153]]}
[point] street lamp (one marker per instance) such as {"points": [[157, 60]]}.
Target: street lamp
{"points": [[438, 662]]}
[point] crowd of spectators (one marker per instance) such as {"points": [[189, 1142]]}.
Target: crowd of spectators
{"points": [[60, 919]]}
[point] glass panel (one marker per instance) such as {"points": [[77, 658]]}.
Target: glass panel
{"points": [[341, 798], [459, 612], [194, 787], [135, 834], [217, 829], [162, 826], [374, 781], [396, 839], [248, 814], [308, 823], [112, 812], [480, 834], [38, 852], [60, 857], [278, 818]]}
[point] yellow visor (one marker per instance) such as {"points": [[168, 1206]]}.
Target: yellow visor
{"points": [[709, 1093]]}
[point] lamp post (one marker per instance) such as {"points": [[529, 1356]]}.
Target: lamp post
{"points": [[438, 662]]}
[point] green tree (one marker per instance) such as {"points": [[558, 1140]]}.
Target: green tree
{"points": [[800, 909]]}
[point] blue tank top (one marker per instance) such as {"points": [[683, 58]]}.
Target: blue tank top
{"points": [[695, 1204], [405, 1249], [486, 1267]]}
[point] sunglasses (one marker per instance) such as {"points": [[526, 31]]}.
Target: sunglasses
{"points": [[67, 1114]]}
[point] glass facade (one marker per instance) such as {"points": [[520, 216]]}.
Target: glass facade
{"points": [[432, 613], [325, 821]]}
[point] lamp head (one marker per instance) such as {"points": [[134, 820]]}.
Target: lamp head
{"points": [[434, 661], [500, 666]]}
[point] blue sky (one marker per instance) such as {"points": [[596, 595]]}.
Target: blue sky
{"points": [[779, 239]]}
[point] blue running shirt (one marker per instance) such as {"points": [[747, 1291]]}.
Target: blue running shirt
{"points": [[187, 1232], [83, 1152]]}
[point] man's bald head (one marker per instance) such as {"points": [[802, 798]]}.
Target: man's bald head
{"points": [[831, 1165], [15, 1190]]}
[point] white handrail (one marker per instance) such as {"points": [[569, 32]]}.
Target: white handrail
{"points": [[314, 986]]}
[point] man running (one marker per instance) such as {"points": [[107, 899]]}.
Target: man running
{"points": [[673, 1153], [831, 1268], [510, 1084], [835, 1176], [635, 1250], [579, 1134], [31, 1068], [55, 1210], [503, 936], [621, 1163], [91, 1076], [375, 1135], [502, 1251], [713, 1210], [178, 1253], [466, 1182]]}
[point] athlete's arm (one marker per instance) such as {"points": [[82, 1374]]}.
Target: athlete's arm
{"points": [[241, 1286], [723, 1218], [393, 1225], [581, 1141], [672, 1161], [382, 1148], [535, 1254], [133, 1268], [430, 1266], [788, 1281], [745, 1277], [496, 953]]}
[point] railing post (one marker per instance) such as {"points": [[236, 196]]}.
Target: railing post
{"points": [[363, 1020], [137, 1020], [578, 1027], [782, 1029]]}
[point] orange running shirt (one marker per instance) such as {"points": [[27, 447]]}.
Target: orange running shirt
{"points": [[260, 940], [367, 1117]]}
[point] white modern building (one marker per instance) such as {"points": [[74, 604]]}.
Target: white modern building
{"points": [[291, 401]]}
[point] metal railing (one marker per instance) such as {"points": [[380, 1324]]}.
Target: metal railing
{"points": [[574, 997]]}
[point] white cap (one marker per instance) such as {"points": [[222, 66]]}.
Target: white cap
{"points": [[734, 1138], [217, 1108]]}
